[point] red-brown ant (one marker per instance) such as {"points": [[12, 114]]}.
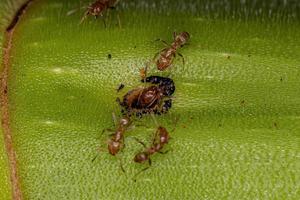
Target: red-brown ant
{"points": [[160, 139], [167, 55], [145, 100], [98, 8], [116, 142]]}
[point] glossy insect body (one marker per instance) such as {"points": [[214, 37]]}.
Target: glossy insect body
{"points": [[116, 142], [167, 55], [98, 7], [155, 98], [161, 138]]}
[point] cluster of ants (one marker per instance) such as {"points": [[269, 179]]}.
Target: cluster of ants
{"points": [[155, 99]]}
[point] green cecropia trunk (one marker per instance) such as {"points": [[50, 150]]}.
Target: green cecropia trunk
{"points": [[235, 111]]}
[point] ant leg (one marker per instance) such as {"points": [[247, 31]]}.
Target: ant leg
{"points": [[154, 138], [122, 167], [119, 21], [181, 57], [84, 17], [114, 119], [139, 141], [104, 22], [164, 42], [108, 130], [99, 149], [165, 152], [174, 35], [154, 119], [155, 56], [134, 179]]}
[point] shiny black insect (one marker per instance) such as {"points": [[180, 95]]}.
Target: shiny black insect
{"points": [[153, 99]]}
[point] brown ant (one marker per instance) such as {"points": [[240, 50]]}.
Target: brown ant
{"points": [[145, 100], [167, 55], [160, 139], [116, 142], [98, 8]]}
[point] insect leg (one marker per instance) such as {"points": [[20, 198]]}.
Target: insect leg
{"points": [[181, 57], [84, 16], [163, 152], [164, 42], [174, 35], [139, 141], [119, 20], [134, 177], [104, 22]]}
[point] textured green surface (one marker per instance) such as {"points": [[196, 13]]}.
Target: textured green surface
{"points": [[5, 186], [5, 189], [238, 131]]}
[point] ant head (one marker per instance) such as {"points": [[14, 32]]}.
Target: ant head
{"points": [[183, 38], [186, 35], [141, 157], [113, 147]]}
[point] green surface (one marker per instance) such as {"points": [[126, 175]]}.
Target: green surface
{"points": [[238, 131], [5, 185]]}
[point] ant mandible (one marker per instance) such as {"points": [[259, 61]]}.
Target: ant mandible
{"points": [[167, 55]]}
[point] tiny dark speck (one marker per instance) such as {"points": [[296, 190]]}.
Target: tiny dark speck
{"points": [[109, 56]]}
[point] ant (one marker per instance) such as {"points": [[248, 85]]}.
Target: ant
{"points": [[98, 8], [167, 54], [150, 99], [160, 139], [116, 142]]}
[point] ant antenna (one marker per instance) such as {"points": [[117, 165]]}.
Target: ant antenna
{"points": [[84, 17], [134, 177], [114, 117], [95, 158]]}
